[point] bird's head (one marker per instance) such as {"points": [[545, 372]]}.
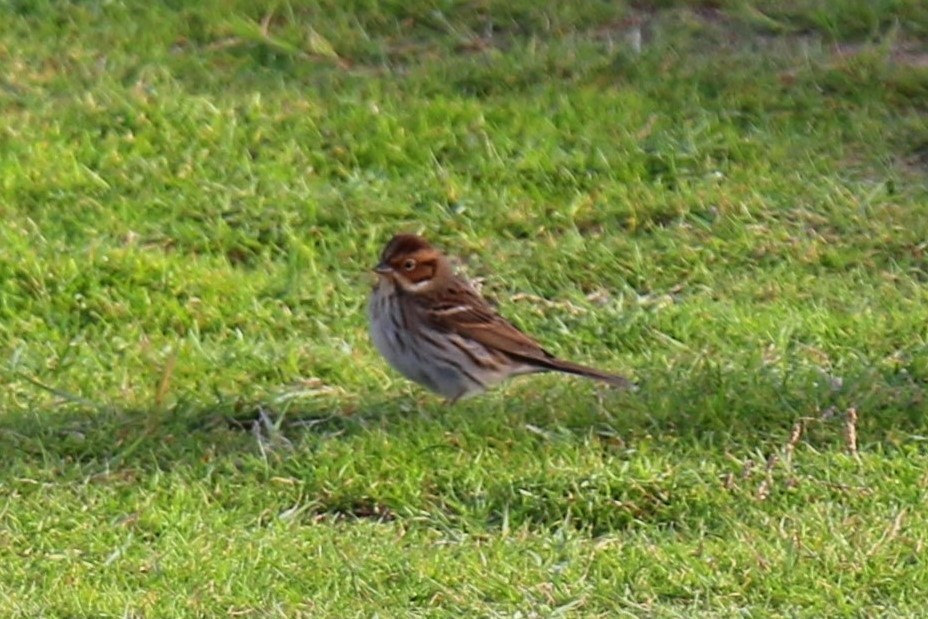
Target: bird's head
{"points": [[412, 264]]}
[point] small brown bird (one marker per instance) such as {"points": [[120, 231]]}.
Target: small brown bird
{"points": [[434, 328]]}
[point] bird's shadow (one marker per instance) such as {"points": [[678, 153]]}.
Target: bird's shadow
{"points": [[737, 416], [712, 409]]}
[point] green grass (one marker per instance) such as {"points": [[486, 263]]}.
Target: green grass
{"points": [[193, 421]]}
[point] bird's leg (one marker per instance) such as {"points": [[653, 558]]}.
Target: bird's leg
{"points": [[450, 401]]}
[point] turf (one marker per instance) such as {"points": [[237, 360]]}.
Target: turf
{"points": [[725, 200]]}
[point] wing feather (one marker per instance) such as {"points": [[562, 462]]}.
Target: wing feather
{"points": [[461, 310]]}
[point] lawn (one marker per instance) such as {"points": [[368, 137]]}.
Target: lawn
{"points": [[725, 199]]}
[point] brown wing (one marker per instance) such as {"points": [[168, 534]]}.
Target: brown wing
{"points": [[461, 310]]}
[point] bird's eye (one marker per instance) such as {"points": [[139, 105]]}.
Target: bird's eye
{"points": [[409, 265]]}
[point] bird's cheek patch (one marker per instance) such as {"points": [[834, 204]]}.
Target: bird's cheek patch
{"points": [[421, 273]]}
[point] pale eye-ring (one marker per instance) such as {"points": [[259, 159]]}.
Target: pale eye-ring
{"points": [[409, 265]]}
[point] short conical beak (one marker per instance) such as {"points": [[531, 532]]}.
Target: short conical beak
{"points": [[383, 268]]}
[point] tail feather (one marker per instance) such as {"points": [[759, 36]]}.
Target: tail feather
{"points": [[569, 367]]}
